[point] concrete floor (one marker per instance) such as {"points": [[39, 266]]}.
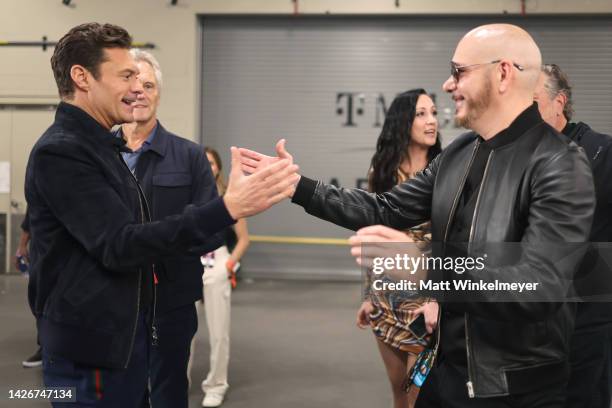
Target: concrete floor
{"points": [[293, 344]]}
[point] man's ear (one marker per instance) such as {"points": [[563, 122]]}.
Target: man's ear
{"points": [[80, 76], [505, 74], [561, 100]]}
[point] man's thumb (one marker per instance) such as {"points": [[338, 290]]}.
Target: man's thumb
{"points": [[235, 160], [281, 151], [235, 156]]}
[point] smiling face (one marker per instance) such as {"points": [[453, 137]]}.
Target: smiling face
{"points": [[424, 129], [472, 100], [472, 90], [145, 107], [112, 94], [495, 72]]}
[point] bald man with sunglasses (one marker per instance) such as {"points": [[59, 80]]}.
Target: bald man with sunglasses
{"points": [[511, 179]]}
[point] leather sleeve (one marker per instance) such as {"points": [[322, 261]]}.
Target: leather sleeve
{"points": [[406, 205]]}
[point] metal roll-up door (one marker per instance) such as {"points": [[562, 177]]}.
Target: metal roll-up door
{"points": [[322, 83]]}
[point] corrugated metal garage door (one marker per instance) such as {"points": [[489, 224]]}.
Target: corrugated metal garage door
{"points": [[322, 82]]}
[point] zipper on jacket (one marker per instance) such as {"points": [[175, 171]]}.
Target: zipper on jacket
{"points": [[460, 189], [484, 177], [154, 335], [143, 220], [470, 384], [599, 149], [127, 361], [450, 218]]}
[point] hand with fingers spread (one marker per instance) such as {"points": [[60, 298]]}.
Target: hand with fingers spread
{"points": [[248, 195], [252, 161]]}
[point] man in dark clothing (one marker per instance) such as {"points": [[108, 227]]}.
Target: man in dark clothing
{"points": [[173, 173], [94, 249], [590, 384], [512, 180]]}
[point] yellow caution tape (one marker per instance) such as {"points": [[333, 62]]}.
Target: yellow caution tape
{"points": [[273, 239]]}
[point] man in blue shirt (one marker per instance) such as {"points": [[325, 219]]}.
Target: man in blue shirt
{"points": [[173, 173], [94, 252]]}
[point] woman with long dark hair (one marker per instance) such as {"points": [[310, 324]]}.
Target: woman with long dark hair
{"points": [[409, 140], [401, 151]]}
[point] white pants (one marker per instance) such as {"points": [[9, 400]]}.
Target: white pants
{"points": [[217, 303]]}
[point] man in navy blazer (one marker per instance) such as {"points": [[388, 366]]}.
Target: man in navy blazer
{"points": [[95, 252], [173, 173]]}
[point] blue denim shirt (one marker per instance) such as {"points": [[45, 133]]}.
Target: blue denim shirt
{"points": [[131, 158]]}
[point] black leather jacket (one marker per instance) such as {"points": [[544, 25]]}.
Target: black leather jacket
{"points": [[536, 189]]}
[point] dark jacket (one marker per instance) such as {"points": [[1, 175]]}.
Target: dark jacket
{"points": [[598, 149], [595, 277], [90, 246], [173, 173], [536, 189]]}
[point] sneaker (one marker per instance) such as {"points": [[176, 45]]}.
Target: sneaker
{"points": [[35, 360], [213, 399]]}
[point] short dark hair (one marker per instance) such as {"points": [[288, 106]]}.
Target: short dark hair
{"points": [[84, 45], [556, 83]]}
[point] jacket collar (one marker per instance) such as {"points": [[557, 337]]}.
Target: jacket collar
{"points": [[520, 125], [87, 126], [158, 144], [160, 141], [575, 131]]}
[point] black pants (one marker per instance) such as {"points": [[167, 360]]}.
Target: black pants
{"points": [[591, 373], [445, 388], [169, 358]]}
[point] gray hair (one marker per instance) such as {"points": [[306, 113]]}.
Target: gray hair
{"points": [[145, 56], [556, 83]]}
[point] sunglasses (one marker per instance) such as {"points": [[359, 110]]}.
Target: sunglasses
{"points": [[456, 70]]}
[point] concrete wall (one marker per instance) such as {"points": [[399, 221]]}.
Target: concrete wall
{"points": [[26, 78], [25, 75]]}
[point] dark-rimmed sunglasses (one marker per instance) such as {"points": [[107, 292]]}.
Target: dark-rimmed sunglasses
{"points": [[456, 70]]}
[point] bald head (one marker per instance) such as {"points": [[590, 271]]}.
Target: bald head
{"points": [[503, 41], [494, 73]]}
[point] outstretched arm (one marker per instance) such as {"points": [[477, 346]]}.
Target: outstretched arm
{"points": [[406, 205]]}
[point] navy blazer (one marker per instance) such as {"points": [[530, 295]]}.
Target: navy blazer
{"points": [[174, 172], [91, 247]]}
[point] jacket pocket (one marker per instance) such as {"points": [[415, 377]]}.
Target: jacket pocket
{"points": [[87, 286], [171, 193]]}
